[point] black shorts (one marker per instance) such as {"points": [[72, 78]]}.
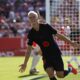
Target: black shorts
{"points": [[56, 63]]}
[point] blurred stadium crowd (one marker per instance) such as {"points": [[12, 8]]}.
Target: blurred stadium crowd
{"points": [[13, 16], [64, 16], [14, 20]]}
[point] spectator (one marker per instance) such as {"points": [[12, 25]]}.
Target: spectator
{"points": [[75, 36], [70, 8]]}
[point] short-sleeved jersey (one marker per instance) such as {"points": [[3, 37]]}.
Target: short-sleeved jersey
{"points": [[44, 38]]}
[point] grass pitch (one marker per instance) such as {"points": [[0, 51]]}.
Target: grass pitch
{"points": [[9, 70]]}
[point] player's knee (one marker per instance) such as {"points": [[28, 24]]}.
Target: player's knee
{"points": [[50, 72], [60, 74]]}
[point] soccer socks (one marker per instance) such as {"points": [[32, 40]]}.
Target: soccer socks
{"points": [[74, 58], [53, 78], [66, 72], [35, 61], [72, 69]]}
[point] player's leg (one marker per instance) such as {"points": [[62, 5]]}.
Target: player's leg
{"points": [[62, 74], [56, 64], [35, 61], [59, 67], [50, 72], [74, 57], [49, 69]]}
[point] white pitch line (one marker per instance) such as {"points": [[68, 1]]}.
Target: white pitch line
{"points": [[29, 78], [25, 79]]}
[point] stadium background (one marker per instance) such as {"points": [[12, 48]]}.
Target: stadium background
{"points": [[63, 15]]}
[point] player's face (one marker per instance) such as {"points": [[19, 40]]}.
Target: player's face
{"points": [[33, 18]]}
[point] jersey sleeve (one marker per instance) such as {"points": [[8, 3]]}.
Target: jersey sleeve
{"points": [[51, 30], [30, 39]]}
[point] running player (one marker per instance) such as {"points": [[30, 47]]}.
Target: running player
{"points": [[75, 36], [43, 35]]}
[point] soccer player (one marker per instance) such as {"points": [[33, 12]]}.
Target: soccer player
{"points": [[43, 35], [75, 36], [73, 33]]}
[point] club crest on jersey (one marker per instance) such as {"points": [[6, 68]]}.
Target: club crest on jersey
{"points": [[45, 43]]}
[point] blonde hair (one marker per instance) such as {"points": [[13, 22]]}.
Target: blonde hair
{"points": [[33, 12]]}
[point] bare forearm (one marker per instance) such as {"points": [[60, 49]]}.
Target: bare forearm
{"points": [[64, 38], [68, 40], [27, 55]]}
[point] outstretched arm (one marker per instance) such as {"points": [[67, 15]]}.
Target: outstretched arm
{"points": [[64, 38], [27, 55]]}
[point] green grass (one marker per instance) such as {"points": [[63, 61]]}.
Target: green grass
{"points": [[9, 70]]}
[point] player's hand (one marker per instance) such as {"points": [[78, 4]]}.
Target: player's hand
{"points": [[22, 67], [74, 44]]}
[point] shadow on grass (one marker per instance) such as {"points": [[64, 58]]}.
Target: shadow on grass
{"points": [[34, 77], [39, 77], [27, 75]]}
